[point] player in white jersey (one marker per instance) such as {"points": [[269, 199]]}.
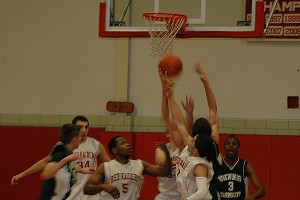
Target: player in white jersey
{"points": [[167, 185], [193, 181], [122, 177], [89, 149], [128, 177], [201, 126], [198, 186]]}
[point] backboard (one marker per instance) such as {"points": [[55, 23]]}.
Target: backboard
{"points": [[206, 18]]}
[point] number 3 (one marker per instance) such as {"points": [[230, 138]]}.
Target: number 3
{"points": [[230, 183]]}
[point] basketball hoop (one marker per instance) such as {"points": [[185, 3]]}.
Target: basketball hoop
{"points": [[162, 28]]}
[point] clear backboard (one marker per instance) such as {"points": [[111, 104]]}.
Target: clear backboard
{"points": [[205, 18]]}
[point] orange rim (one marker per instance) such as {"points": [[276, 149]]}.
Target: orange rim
{"points": [[163, 16]]}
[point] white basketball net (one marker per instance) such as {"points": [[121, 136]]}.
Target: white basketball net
{"points": [[162, 28]]}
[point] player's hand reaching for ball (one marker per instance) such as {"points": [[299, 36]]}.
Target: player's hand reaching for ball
{"points": [[164, 81]]}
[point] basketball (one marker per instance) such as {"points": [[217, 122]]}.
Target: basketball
{"points": [[171, 66]]}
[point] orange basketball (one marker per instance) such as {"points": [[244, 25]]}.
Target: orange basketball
{"points": [[171, 65]]}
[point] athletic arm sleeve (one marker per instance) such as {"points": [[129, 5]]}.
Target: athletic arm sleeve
{"points": [[202, 189]]}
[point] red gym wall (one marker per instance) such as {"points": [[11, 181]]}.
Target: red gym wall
{"points": [[275, 158]]}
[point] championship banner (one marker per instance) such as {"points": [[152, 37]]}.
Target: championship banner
{"points": [[285, 22]]}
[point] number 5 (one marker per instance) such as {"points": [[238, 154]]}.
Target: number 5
{"points": [[125, 187]]}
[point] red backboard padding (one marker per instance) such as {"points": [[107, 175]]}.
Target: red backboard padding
{"points": [[274, 158]]}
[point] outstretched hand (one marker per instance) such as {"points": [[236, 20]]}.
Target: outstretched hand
{"points": [[164, 81], [201, 73], [189, 104]]}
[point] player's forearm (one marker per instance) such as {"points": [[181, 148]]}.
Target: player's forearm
{"points": [[35, 168], [211, 100], [91, 189], [189, 121], [165, 109], [202, 189], [175, 111], [178, 120]]}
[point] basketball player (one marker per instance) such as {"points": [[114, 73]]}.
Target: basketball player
{"points": [[122, 178], [167, 186], [203, 126], [209, 127], [234, 174], [194, 168], [59, 173], [90, 150]]}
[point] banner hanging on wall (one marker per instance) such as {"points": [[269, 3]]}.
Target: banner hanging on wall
{"points": [[285, 22]]}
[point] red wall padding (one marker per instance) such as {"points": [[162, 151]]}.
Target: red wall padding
{"points": [[284, 167], [29, 144], [6, 161], [275, 159]]}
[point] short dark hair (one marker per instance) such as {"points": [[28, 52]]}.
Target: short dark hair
{"points": [[232, 136], [201, 126], [68, 132], [112, 144], [80, 118]]}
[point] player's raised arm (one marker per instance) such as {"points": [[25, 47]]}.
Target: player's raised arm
{"points": [[212, 103], [189, 106], [178, 117], [164, 167], [171, 126], [36, 167]]}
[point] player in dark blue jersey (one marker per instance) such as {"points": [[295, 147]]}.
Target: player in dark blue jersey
{"points": [[234, 174]]}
